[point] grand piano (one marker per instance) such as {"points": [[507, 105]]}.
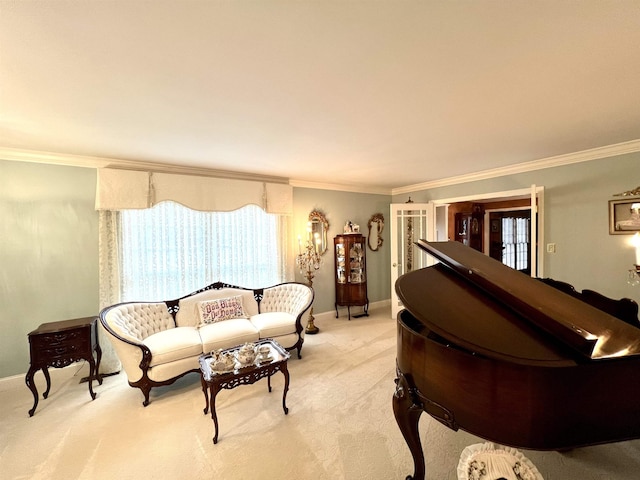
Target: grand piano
{"points": [[489, 350]]}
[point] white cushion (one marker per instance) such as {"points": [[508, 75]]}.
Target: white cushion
{"points": [[173, 344], [227, 334], [189, 316], [212, 311], [274, 324]]}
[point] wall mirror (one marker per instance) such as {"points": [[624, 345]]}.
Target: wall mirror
{"points": [[376, 225], [319, 225]]}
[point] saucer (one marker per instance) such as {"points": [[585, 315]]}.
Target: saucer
{"points": [[264, 359]]}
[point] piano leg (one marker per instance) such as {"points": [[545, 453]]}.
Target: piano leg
{"points": [[407, 414]]}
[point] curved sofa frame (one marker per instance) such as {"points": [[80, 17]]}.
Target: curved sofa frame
{"points": [[145, 384]]}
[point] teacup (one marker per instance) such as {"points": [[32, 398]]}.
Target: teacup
{"points": [[264, 350]]}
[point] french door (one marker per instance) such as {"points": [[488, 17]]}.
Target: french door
{"points": [[409, 222]]}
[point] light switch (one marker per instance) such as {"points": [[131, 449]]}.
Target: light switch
{"points": [[551, 248]]}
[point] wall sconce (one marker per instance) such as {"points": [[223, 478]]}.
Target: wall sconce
{"points": [[634, 273]]}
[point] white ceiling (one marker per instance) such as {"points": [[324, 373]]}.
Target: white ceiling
{"points": [[372, 93]]}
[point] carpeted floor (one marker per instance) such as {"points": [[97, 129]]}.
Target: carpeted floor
{"points": [[340, 424]]}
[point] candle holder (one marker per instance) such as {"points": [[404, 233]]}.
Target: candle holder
{"points": [[309, 261]]}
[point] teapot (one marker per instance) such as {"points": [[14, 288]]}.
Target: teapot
{"points": [[247, 353]]}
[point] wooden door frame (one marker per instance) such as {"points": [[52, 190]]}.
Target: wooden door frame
{"points": [[515, 195]]}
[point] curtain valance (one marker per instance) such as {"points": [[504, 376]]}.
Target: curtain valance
{"points": [[124, 189]]}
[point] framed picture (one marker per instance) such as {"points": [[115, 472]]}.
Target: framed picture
{"points": [[624, 216]]}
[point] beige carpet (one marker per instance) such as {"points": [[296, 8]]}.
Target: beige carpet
{"points": [[340, 424]]}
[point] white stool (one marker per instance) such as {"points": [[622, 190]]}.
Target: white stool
{"points": [[489, 461]]}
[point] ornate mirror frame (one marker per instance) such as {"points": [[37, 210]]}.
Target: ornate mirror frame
{"points": [[319, 225], [375, 225]]}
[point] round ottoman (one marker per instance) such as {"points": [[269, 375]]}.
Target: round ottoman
{"points": [[489, 461]]}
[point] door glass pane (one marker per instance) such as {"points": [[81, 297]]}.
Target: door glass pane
{"points": [[356, 263], [341, 263], [411, 227]]}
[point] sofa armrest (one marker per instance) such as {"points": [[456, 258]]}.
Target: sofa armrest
{"points": [[292, 297], [128, 324]]}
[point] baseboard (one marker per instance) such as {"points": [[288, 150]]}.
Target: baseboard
{"points": [[57, 375], [380, 305]]}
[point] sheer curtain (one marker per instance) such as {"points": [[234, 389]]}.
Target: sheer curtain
{"points": [[170, 250]]}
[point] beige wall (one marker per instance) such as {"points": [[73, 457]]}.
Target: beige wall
{"points": [[49, 249], [48, 252], [49, 246], [339, 207], [576, 219]]}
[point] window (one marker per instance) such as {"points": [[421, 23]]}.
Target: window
{"points": [[170, 250], [515, 238]]}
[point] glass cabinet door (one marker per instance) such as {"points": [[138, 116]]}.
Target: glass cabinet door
{"points": [[341, 272], [356, 263]]}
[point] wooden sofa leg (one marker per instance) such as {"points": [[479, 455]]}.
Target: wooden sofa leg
{"points": [[145, 392]]}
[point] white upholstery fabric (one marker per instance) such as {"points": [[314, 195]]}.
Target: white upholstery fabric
{"points": [[287, 341], [227, 334], [130, 357], [288, 297], [189, 316], [274, 324], [166, 371], [173, 344], [137, 321]]}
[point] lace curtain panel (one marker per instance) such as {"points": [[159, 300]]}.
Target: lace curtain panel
{"points": [[109, 282]]}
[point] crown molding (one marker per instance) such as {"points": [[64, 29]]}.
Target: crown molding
{"points": [[340, 187], [557, 161], [105, 162], [85, 161]]}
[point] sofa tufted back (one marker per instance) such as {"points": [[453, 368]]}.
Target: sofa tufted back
{"points": [[136, 321], [293, 298], [188, 315]]}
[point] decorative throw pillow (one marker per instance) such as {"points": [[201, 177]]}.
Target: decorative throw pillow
{"points": [[212, 311]]}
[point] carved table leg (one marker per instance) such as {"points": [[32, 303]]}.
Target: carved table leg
{"points": [[205, 392], [407, 415], [45, 371], [92, 373], [98, 359], [214, 392], [32, 386], [285, 371]]}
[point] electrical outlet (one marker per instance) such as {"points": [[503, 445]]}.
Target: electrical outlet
{"points": [[551, 248]]}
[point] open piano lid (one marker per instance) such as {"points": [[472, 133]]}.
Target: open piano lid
{"points": [[592, 333]]}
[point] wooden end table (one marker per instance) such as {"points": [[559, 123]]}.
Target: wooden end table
{"points": [[213, 382], [58, 344]]}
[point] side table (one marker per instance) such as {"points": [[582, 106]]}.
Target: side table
{"points": [[58, 344], [213, 382]]}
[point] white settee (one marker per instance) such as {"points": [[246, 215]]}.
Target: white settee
{"points": [[159, 342]]}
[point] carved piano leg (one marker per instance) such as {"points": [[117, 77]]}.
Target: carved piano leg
{"points": [[407, 415]]}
